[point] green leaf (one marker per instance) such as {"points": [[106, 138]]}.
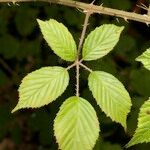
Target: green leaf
{"points": [[76, 125], [59, 39], [42, 86], [110, 95], [145, 59], [142, 133], [101, 41]]}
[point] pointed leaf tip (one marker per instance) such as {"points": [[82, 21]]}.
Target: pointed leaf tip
{"points": [[76, 125], [15, 109], [59, 39], [41, 87], [110, 95]]}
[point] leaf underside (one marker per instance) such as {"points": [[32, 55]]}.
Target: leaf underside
{"points": [[59, 39], [41, 87], [145, 59], [101, 41], [110, 95], [76, 125], [142, 133]]}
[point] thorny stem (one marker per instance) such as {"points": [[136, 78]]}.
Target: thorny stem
{"points": [[80, 64], [90, 8], [71, 66], [83, 31], [88, 13], [87, 68], [77, 78], [96, 9]]}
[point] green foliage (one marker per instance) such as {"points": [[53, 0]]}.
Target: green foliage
{"points": [[22, 49], [101, 41], [76, 119], [59, 39], [142, 133], [76, 125], [110, 95], [41, 87], [145, 59]]}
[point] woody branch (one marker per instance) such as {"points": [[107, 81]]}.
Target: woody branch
{"points": [[95, 9]]}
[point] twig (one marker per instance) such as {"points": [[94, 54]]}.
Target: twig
{"points": [[71, 66], [96, 9], [77, 78], [87, 68], [148, 11], [88, 13], [142, 6], [145, 8]]}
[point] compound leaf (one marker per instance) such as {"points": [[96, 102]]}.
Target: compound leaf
{"points": [[42, 87], [101, 41], [76, 125], [59, 39], [145, 59], [110, 95], [142, 133]]}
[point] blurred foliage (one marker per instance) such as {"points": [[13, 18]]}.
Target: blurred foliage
{"points": [[22, 50]]}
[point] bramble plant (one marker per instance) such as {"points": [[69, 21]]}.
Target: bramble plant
{"points": [[76, 125], [77, 118]]}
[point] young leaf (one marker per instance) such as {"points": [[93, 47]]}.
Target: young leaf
{"points": [[145, 59], [41, 87], [110, 95], [59, 39], [101, 41], [142, 133], [76, 125]]}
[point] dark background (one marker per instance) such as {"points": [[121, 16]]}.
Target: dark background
{"points": [[22, 50]]}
